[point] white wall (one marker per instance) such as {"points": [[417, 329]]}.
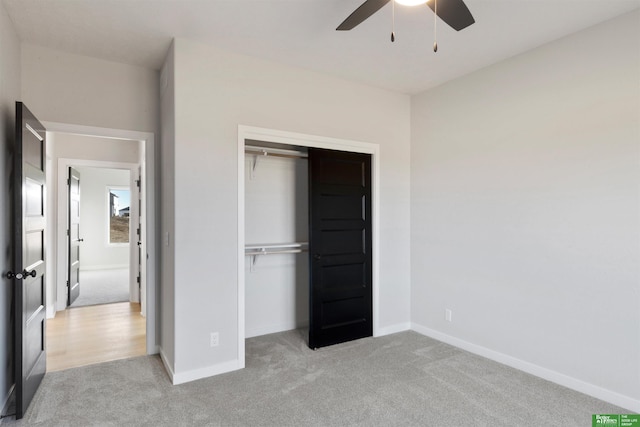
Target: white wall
{"points": [[9, 94], [276, 212], [83, 147], [95, 252], [216, 91], [525, 211], [67, 88]]}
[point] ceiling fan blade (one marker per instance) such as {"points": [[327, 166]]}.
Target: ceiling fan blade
{"points": [[365, 10], [454, 12]]}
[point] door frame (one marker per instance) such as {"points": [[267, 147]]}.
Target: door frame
{"points": [[147, 163], [310, 141], [61, 227]]}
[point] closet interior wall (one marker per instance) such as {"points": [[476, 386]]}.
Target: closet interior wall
{"points": [[276, 213]]}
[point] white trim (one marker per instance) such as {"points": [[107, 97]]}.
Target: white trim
{"points": [[62, 203], [147, 140], [394, 329], [280, 327], [133, 135], [209, 371], [314, 141], [530, 368], [241, 243], [166, 364]]}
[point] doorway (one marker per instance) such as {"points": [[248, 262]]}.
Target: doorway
{"points": [[136, 316], [277, 138], [103, 240], [98, 315]]}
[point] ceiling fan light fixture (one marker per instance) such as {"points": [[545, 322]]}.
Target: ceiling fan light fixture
{"points": [[411, 2]]}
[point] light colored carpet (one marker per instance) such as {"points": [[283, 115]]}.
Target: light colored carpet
{"points": [[404, 379], [103, 287]]}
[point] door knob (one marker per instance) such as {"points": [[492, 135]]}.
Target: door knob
{"points": [[12, 275], [80, 240], [31, 273], [20, 276]]}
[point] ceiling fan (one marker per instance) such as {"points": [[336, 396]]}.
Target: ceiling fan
{"points": [[453, 12]]}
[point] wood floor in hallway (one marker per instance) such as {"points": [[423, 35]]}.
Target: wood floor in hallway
{"points": [[94, 334]]}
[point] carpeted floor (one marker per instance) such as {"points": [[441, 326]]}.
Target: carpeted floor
{"points": [[103, 287], [404, 379]]}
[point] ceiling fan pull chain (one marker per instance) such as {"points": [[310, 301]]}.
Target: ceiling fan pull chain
{"points": [[435, 27], [393, 21]]}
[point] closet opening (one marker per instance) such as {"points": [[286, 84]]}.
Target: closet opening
{"points": [[276, 238], [307, 237]]}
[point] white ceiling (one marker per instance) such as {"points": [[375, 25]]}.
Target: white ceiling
{"points": [[302, 33]]}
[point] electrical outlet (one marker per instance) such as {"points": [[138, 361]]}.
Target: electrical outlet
{"points": [[215, 339], [447, 314]]}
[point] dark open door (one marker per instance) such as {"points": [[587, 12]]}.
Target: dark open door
{"points": [[29, 259], [73, 282], [339, 247]]}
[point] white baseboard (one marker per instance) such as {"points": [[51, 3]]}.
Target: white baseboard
{"points": [[196, 374], [392, 329], [166, 364], [272, 329], [209, 371], [530, 368]]}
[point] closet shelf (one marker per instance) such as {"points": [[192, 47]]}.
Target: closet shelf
{"points": [[274, 249]]}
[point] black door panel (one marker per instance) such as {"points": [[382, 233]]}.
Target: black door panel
{"points": [[29, 256], [339, 247]]}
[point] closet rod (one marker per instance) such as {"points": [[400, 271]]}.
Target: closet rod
{"points": [[274, 248], [275, 252], [276, 152]]}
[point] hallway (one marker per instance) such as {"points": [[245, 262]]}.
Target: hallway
{"points": [[95, 334]]}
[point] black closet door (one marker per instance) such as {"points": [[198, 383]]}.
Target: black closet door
{"points": [[339, 247]]}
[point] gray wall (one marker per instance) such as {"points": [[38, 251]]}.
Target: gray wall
{"points": [[9, 94], [525, 210], [67, 88], [215, 91]]}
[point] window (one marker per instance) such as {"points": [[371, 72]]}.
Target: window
{"points": [[119, 208]]}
